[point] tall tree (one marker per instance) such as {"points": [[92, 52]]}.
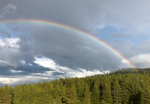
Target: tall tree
{"points": [[71, 96], [116, 92], [86, 95], [106, 92], [95, 94]]}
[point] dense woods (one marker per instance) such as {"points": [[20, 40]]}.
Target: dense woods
{"points": [[121, 87]]}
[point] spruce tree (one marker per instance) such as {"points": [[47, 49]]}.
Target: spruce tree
{"points": [[95, 94], [145, 94], [106, 92], [71, 95], [86, 95], [116, 92]]}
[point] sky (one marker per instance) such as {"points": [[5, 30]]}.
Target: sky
{"points": [[33, 52]]}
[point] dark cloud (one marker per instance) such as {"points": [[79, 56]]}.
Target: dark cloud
{"points": [[69, 48]]}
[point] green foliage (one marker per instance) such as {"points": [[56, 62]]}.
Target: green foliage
{"points": [[116, 88], [95, 93], [116, 92], [106, 91]]}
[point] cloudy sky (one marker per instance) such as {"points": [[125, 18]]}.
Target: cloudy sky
{"points": [[32, 52]]}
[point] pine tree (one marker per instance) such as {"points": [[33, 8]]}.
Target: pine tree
{"points": [[86, 95], [95, 94], [125, 89], [116, 92], [135, 90], [71, 95], [145, 94], [106, 92]]}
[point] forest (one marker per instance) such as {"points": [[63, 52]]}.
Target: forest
{"points": [[120, 87]]}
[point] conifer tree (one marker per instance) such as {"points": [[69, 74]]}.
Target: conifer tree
{"points": [[106, 92], [145, 94], [125, 89], [71, 96], [95, 94], [116, 92], [86, 95]]}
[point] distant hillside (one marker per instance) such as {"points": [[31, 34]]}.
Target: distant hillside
{"points": [[120, 87], [123, 71]]}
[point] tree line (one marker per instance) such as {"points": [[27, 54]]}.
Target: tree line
{"points": [[114, 88]]}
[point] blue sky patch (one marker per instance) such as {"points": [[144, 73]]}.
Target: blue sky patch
{"points": [[112, 34]]}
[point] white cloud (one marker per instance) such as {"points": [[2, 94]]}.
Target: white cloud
{"points": [[5, 63], [4, 80], [70, 73], [16, 71], [142, 60], [10, 43], [23, 62], [49, 63], [45, 62], [83, 73], [48, 75], [20, 79], [67, 72]]}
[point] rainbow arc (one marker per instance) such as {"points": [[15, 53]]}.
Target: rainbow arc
{"points": [[66, 27]]}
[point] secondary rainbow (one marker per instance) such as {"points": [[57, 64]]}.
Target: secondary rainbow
{"points": [[63, 26]]}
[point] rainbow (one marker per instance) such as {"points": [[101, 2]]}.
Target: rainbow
{"points": [[66, 27]]}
